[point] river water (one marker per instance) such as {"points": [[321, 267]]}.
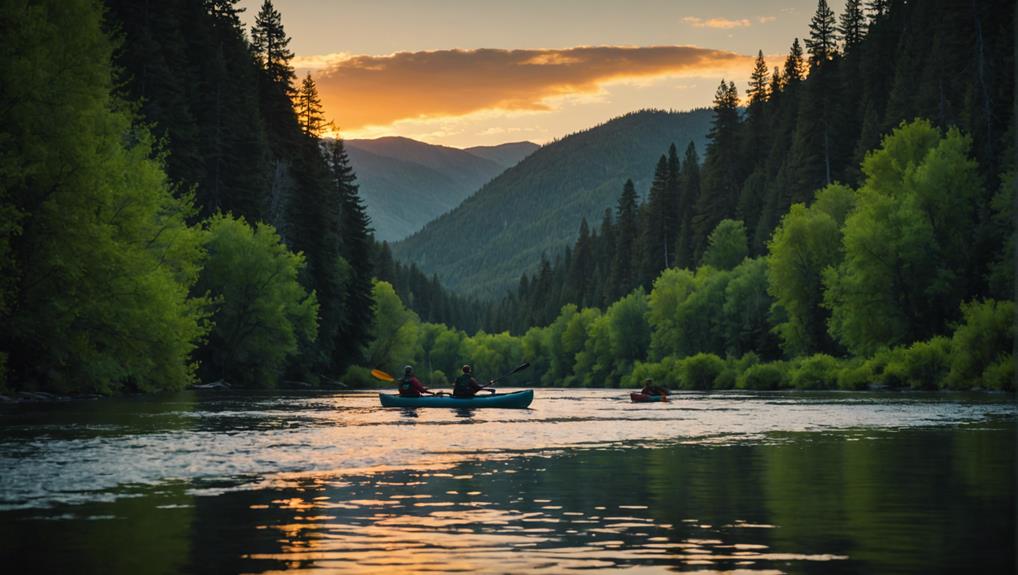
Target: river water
{"points": [[225, 482]]}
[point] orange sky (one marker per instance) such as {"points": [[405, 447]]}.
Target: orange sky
{"points": [[465, 73]]}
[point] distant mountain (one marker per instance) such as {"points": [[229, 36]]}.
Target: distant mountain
{"points": [[481, 247], [406, 183], [508, 155]]}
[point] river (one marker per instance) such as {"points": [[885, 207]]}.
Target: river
{"points": [[230, 482]]}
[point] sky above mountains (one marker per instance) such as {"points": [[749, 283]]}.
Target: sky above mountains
{"points": [[465, 73]]}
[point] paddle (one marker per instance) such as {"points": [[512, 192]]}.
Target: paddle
{"points": [[518, 369], [379, 374]]}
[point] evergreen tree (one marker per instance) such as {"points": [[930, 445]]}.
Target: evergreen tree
{"points": [[624, 265], [309, 108], [795, 67], [722, 168], [877, 9], [822, 43], [777, 83], [689, 184], [605, 259], [270, 45], [356, 248], [582, 269], [655, 248], [385, 266], [758, 87], [852, 25], [674, 196]]}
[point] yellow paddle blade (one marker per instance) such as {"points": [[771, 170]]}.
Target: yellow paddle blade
{"points": [[382, 375]]}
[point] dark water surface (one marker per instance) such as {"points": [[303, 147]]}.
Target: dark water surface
{"points": [[725, 482]]}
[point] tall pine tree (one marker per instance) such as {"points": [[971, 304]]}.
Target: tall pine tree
{"points": [[309, 108]]}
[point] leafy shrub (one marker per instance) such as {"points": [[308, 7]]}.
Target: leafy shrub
{"points": [[357, 376], [885, 370], [438, 379], [854, 376], [763, 376], [726, 380], [924, 365], [745, 362], [664, 372], [984, 339], [1000, 375], [700, 371], [819, 371]]}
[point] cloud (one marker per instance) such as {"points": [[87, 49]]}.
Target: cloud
{"points": [[320, 61], [365, 91], [766, 19], [719, 23]]}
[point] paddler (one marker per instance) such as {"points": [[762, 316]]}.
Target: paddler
{"points": [[466, 386], [410, 386], [649, 388]]}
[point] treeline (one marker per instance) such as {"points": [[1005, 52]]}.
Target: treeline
{"points": [[860, 287], [805, 125], [426, 296], [168, 209]]}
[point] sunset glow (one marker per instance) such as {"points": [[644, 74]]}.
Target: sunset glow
{"points": [[460, 74]]}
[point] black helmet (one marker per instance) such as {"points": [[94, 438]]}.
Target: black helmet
{"points": [[466, 368], [408, 369]]}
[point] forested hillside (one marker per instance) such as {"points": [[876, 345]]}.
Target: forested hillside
{"points": [[406, 184], [770, 154], [535, 207], [901, 275], [168, 210], [888, 264]]}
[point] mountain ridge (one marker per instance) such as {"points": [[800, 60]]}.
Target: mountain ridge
{"points": [[481, 247], [405, 183]]}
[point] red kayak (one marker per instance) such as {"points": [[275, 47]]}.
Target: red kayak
{"points": [[638, 397]]}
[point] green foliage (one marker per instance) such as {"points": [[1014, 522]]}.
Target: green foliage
{"points": [[665, 373], [260, 310], [622, 336], [394, 330], [854, 376], [716, 311], [726, 246], [981, 342], [923, 365], [360, 377], [818, 371], [438, 378], [492, 355], [671, 289], [100, 258], [763, 376], [907, 263], [807, 242], [1000, 374], [700, 371]]}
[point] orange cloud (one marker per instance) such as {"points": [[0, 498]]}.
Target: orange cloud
{"points": [[720, 23], [363, 91]]}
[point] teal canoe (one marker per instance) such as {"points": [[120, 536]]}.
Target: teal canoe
{"points": [[514, 400]]}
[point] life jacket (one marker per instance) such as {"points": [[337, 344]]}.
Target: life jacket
{"points": [[406, 385], [463, 387]]}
